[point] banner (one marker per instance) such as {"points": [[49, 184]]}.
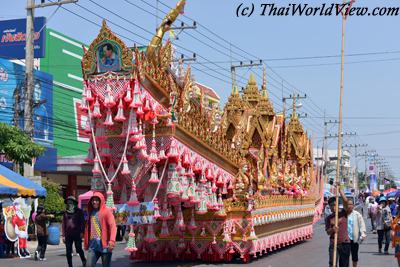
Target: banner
{"points": [[373, 183], [136, 215], [13, 38]]}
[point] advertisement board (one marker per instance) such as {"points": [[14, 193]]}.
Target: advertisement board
{"points": [[12, 89], [63, 62], [13, 38]]}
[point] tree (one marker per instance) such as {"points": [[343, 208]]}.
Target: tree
{"points": [[17, 146], [54, 202]]}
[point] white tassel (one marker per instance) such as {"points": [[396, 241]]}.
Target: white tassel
{"points": [[154, 176], [109, 99], [96, 109], [96, 167], [153, 158], [125, 167], [128, 97], [109, 121], [120, 114]]}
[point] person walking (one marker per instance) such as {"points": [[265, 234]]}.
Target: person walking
{"points": [[372, 213], [73, 227], [343, 243], [383, 224], [355, 227], [396, 236], [41, 220], [100, 231]]}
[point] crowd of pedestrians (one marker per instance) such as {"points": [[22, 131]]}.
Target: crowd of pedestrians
{"points": [[384, 215]]}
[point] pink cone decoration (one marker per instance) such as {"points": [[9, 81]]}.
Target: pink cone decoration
{"points": [[96, 167], [131, 246], [109, 121], [179, 223], [192, 224], [146, 106], [214, 188], [96, 109], [252, 233], [139, 111], [154, 175], [133, 201], [156, 209], [109, 99], [221, 212], [162, 155], [120, 113], [153, 158], [128, 97], [150, 236], [203, 179], [164, 229], [125, 167], [173, 150], [136, 102]]}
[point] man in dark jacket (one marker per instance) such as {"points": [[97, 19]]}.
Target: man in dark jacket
{"points": [[73, 227], [41, 221]]}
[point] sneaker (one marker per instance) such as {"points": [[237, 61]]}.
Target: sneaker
{"points": [[36, 255], [42, 259], [386, 252]]}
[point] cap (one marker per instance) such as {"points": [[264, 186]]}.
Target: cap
{"points": [[71, 198]]}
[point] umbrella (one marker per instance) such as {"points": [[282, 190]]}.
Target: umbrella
{"points": [[393, 194], [11, 181]]}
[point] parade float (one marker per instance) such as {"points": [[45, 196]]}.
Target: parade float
{"points": [[192, 182]]}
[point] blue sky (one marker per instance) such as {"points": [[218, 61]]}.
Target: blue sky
{"points": [[371, 99]]}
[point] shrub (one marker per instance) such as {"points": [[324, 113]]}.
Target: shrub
{"points": [[54, 202]]}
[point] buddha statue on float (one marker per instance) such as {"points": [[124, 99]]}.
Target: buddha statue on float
{"points": [[274, 175], [261, 175], [243, 178]]}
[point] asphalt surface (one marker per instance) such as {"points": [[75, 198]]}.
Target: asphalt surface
{"points": [[309, 253]]}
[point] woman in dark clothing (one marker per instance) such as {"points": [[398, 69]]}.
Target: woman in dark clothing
{"points": [[41, 221], [73, 227]]}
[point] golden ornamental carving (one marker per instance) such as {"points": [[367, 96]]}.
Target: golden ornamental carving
{"points": [[89, 60]]}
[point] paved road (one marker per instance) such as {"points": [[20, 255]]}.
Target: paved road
{"points": [[309, 253]]}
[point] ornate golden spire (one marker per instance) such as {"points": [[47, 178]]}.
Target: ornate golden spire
{"points": [[264, 92], [294, 113], [165, 25], [251, 93]]}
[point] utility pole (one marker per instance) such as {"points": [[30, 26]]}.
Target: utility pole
{"points": [[344, 17], [293, 97], [29, 61], [355, 177], [325, 146]]}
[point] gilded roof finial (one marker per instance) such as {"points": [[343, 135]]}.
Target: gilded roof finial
{"points": [[165, 26], [252, 80], [294, 114], [264, 92], [235, 89]]}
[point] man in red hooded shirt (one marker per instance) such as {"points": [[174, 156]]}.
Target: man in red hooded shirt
{"points": [[100, 231]]}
